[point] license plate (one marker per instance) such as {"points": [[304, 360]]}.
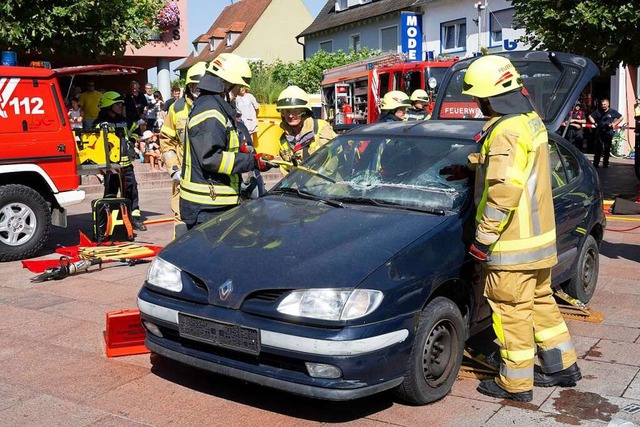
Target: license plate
{"points": [[227, 335]]}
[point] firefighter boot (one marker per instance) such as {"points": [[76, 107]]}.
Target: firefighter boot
{"points": [[137, 224], [490, 388], [565, 378]]}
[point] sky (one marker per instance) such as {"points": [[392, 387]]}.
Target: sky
{"points": [[202, 13]]}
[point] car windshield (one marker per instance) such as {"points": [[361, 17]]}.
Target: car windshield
{"points": [[394, 171]]}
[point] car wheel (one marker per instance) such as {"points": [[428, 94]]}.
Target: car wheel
{"points": [[25, 222], [436, 355], [585, 277]]}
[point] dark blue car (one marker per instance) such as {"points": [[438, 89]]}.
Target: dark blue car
{"points": [[351, 276]]}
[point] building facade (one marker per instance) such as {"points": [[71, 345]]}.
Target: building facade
{"points": [[255, 29], [450, 28]]}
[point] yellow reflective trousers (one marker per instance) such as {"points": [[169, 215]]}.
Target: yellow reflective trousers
{"points": [[525, 315]]}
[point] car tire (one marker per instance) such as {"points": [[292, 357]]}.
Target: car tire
{"points": [[436, 355], [585, 277], [25, 222]]}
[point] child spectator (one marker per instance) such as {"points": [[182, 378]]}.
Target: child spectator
{"points": [[149, 146]]}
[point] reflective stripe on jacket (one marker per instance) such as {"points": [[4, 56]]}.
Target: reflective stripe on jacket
{"points": [[212, 164], [515, 213], [174, 132]]}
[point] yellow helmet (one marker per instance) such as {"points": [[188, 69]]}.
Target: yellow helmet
{"points": [[110, 98], [490, 75], [395, 99], [231, 68], [420, 95], [293, 97], [195, 72]]}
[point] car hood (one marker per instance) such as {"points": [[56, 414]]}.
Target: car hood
{"points": [[554, 82], [279, 242]]}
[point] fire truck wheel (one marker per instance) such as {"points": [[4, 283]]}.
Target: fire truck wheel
{"points": [[25, 222]]}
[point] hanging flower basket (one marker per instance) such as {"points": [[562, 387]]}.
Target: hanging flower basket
{"points": [[169, 16]]}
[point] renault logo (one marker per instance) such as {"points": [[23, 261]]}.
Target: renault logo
{"points": [[225, 290]]}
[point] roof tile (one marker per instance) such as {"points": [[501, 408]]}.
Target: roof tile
{"points": [[328, 18]]}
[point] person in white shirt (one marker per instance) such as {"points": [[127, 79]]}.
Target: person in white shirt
{"points": [[248, 107]]}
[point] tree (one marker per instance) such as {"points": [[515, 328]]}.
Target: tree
{"points": [[605, 32], [87, 28], [268, 80]]}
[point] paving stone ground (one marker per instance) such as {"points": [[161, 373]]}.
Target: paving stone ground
{"points": [[54, 370]]}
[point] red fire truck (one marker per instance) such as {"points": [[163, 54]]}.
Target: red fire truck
{"points": [[40, 156], [351, 93]]}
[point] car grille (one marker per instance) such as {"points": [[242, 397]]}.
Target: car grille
{"points": [[268, 295]]}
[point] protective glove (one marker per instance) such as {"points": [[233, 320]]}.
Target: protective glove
{"points": [[262, 162], [176, 175], [455, 172], [479, 251], [286, 154], [246, 148]]}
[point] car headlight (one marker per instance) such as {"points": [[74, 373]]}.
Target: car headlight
{"points": [[331, 304], [164, 275]]}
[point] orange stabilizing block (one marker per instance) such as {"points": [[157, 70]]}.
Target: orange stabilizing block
{"points": [[124, 335]]}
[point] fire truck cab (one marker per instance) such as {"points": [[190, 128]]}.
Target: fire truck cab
{"points": [[351, 94], [40, 163]]}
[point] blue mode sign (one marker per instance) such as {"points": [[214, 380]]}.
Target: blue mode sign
{"points": [[411, 29]]}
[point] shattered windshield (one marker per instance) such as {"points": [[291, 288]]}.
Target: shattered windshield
{"points": [[399, 171]]}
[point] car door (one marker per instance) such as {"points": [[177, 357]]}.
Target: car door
{"points": [[570, 204]]}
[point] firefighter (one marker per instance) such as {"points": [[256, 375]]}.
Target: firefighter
{"points": [[213, 157], [111, 106], [515, 238], [172, 136], [419, 101], [302, 134], [394, 104]]}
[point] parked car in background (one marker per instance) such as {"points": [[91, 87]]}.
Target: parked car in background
{"points": [[351, 276]]}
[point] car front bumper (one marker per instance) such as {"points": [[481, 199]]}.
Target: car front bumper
{"points": [[371, 358]]}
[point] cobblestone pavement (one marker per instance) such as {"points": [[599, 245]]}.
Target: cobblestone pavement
{"points": [[54, 370]]}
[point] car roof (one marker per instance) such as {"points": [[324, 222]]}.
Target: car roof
{"points": [[459, 129]]}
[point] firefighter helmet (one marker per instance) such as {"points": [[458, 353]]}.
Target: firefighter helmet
{"points": [[395, 99], [489, 76], [420, 95], [110, 98], [231, 68], [293, 97], [195, 73]]}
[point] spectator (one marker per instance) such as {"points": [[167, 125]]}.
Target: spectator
{"points": [[89, 102], [149, 146], [248, 107], [75, 114], [176, 93], [134, 104], [155, 115], [575, 134], [148, 93], [605, 119]]}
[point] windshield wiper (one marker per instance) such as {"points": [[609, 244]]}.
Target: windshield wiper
{"points": [[389, 204], [306, 195]]}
